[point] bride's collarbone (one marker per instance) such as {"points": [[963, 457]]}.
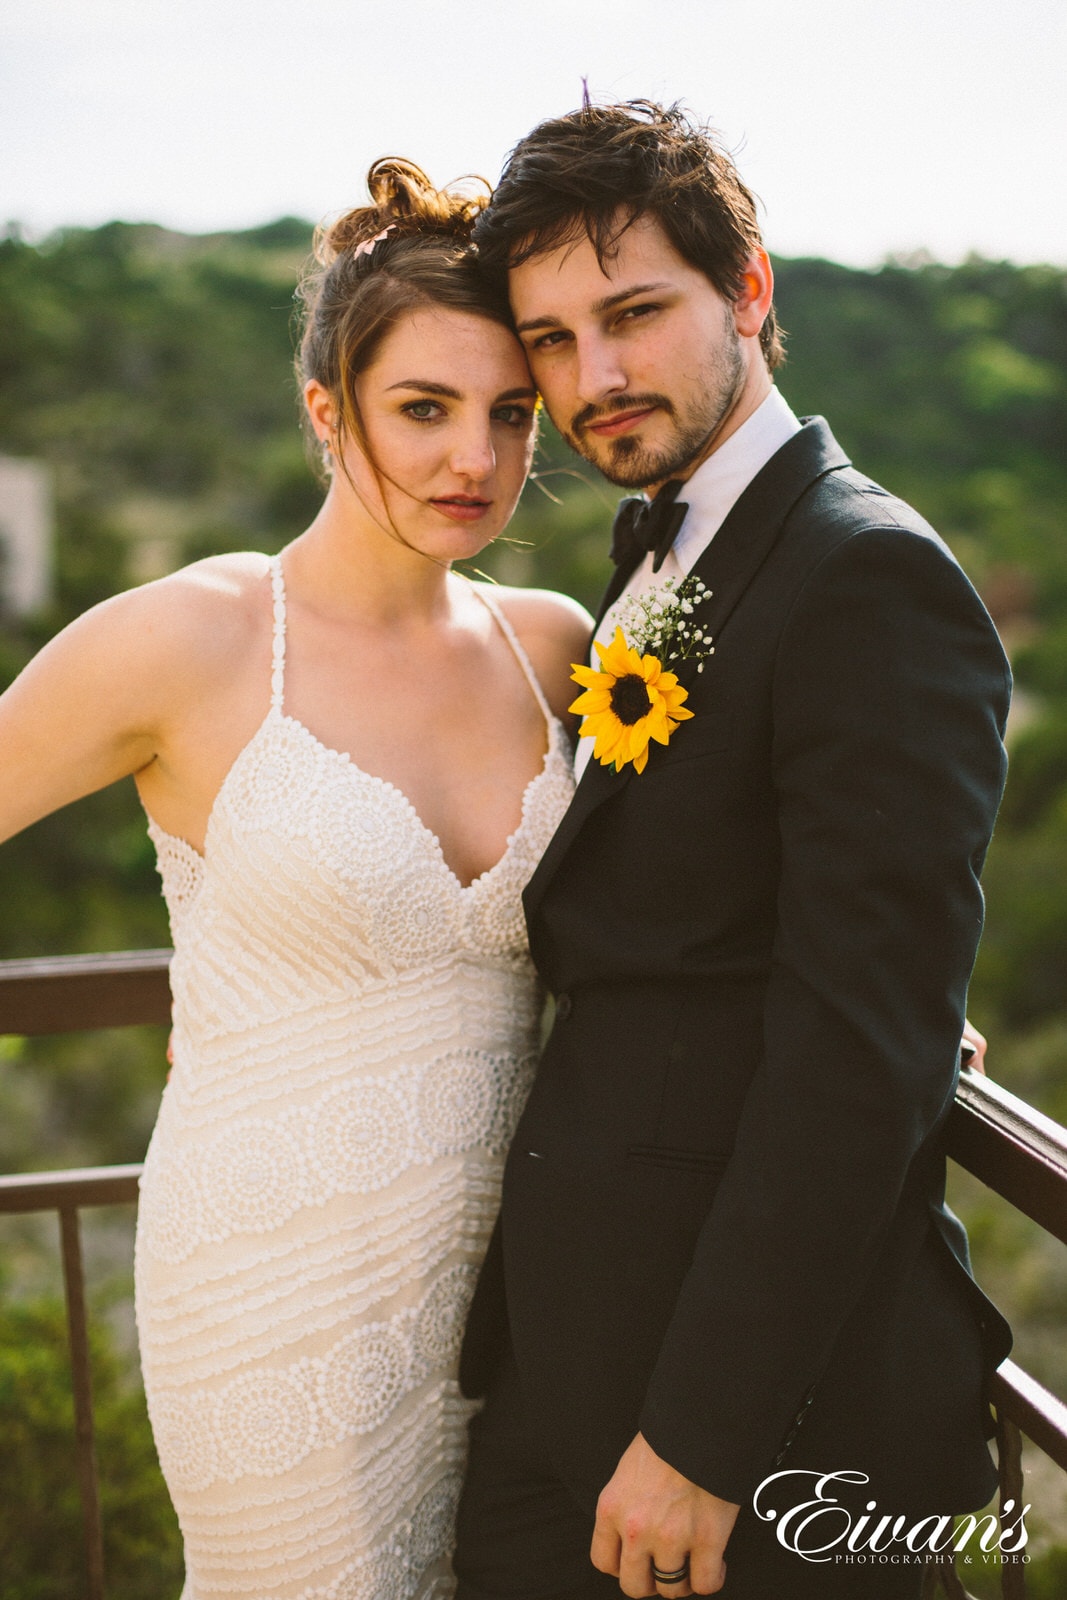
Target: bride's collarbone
{"points": [[431, 721], [460, 737]]}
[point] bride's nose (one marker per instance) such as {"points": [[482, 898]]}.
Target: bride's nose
{"points": [[473, 455]]}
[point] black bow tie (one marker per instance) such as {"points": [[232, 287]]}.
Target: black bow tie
{"points": [[642, 525]]}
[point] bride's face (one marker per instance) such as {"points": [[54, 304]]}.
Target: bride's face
{"points": [[448, 412]]}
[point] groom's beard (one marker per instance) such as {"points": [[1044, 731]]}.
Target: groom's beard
{"points": [[632, 464]]}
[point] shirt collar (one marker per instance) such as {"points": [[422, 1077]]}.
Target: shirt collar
{"points": [[720, 480]]}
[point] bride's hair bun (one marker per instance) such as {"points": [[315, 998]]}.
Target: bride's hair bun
{"points": [[409, 248], [403, 199]]}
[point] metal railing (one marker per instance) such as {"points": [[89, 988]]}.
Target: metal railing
{"points": [[66, 994], [1007, 1144], [68, 1193], [1021, 1155]]}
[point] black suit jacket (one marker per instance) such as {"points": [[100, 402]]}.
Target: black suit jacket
{"points": [[722, 1218]]}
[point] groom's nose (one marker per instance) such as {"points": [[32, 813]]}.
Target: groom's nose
{"points": [[600, 369]]}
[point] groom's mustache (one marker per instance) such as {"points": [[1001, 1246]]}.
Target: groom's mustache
{"points": [[622, 402]]}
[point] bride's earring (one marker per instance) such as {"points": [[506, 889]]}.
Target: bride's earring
{"points": [[327, 455]]}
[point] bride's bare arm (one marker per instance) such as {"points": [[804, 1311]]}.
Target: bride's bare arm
{"points": [[98, 702], [81, 714]]}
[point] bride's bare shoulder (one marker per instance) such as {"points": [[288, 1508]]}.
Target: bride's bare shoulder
{"points": [[542, 613], [554, 630], [156, 645], [208, 607], [208, 590]]}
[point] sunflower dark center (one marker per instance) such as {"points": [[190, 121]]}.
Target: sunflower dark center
{"points": [[630, 699]]}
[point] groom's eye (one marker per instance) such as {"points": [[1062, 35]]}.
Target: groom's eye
{"points": [[546, 341], [632, 313]]}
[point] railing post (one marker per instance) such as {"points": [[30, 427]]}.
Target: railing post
{"points": [[1010, 1464], [85, 1449]]}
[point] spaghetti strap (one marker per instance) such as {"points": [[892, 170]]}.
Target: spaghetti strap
{"points": [[277, 663], [519, 653]]}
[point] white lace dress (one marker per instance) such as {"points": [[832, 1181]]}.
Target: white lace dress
{"points": [[354, 1035]]}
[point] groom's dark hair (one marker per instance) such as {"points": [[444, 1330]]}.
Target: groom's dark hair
{"points": [[604, 165]]}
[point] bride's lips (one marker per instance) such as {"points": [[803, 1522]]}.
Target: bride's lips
{"points": [[462, 508], [619, 422]]}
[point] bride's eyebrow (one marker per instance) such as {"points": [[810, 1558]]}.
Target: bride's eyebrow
{"points": [[425, 387]]}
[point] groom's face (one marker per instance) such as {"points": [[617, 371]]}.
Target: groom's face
{"points": [[639, 359]]}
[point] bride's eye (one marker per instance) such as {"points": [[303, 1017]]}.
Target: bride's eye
{"points": [[422, 410], [514, 416]]}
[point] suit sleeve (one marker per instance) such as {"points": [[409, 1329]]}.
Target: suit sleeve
{"points": [[889, 699]]}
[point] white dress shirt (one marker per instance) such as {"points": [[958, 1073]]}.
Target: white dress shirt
{"points": [[710, 495]]}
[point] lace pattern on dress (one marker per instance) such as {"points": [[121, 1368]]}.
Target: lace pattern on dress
{"points": [[355, 1033]]}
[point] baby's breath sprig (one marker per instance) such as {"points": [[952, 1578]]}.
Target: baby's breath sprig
{"points": [[661, 622]]}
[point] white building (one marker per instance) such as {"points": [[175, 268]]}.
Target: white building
{"points": [[25, 536]]}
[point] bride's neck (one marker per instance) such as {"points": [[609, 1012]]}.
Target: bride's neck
{"points": [[350, 568]]}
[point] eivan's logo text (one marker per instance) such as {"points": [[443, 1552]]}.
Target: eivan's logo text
{"points": [[820, 1528]]}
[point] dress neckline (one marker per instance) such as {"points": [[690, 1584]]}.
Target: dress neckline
{"points": [[277, 715]]}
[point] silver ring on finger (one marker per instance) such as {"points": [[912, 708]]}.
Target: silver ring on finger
{"points": [[680, 1575]]}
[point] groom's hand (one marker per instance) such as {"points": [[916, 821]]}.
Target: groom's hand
{"points": [[649, 1515]]}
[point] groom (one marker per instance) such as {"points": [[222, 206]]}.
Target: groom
{"points": [[723, 1253]]}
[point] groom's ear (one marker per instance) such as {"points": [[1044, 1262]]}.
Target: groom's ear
{"points": [[754, 301]]}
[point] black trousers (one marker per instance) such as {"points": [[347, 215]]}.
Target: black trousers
{"points": [[523, 1535]]}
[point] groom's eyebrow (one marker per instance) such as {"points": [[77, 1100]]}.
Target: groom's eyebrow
{"points": [[608, 303]]}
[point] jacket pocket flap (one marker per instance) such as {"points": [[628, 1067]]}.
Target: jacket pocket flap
{"points": [[658, 1155]]}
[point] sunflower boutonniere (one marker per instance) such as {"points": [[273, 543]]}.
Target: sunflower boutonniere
{"points": [[631, 698]]}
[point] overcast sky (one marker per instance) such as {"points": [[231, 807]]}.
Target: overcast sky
{"points": [[867, 127]]}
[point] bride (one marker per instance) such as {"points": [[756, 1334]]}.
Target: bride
{"points": [[351, 759]]}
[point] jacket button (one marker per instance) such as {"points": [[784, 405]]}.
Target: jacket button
{"points": [[563, 1007]]}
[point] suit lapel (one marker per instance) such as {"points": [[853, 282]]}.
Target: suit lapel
{"points": [[727, 567], [754, 523]]}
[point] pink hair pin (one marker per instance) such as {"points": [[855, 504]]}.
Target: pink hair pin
{"points": [[367, 246]]}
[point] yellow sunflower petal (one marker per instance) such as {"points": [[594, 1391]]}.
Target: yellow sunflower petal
{"points": [[641, 760], [676, 696], [608, 733], [614, 656], [589, 677], [591, 701], [639, 734], [618, 751]]}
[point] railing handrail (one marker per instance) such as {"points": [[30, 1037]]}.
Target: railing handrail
{"points": [[1040, 1414], [1013, 1148], [81, 1187], [64, 994]]}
